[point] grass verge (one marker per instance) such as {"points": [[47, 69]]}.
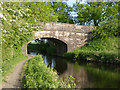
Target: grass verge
{"points": [[37, 75], [104, 50], [9, 65]]}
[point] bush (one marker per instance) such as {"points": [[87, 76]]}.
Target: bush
{"points": [[10, 58], [105, 50], [37, 75], [109, 29]]}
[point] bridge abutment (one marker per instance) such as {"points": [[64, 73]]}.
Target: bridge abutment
{"points": [[74, 36]]}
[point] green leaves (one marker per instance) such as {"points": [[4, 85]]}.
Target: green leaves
{"points": [[100, 49], [37, 75], [101, 14], [18, 21], [62, 10], [22, 19], [109, 29], [95, 12]]}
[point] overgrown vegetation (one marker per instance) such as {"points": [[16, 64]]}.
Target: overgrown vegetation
{"points": [[104, 44], [11, 62], [105, 50], [95, 13], [18, 21], [37, 75]]}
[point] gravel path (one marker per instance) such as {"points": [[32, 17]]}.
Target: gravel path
{"points": [[14, 80]]}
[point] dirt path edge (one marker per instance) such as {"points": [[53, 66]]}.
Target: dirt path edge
{"points": [[14, 80]]}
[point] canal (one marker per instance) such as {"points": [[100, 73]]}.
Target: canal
{"points": [[86, 75]]}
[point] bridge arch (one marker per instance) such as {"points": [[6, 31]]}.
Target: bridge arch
{"points": [[61, 47], [53, 35], [73, 35]]}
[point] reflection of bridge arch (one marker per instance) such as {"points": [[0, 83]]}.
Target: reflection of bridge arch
{"points": [[73, 35]]}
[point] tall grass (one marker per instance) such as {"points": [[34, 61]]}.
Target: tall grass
{"points": [[10, 58], [37, 75], [105, 50]]}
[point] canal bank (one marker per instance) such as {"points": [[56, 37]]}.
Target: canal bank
{"points": [[98, 50], [85, 74]]}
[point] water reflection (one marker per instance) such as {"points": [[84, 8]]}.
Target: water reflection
{"points": [[45, 60], [79, 73], [87, 75], [53, 63], [33, 53], [56, 63]]}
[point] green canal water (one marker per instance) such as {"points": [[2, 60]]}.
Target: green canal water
{"points": [[86, 75]]}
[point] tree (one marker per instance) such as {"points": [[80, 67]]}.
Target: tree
{"points": [[40, 12], [62, 10], [95, 12], [20, 19]]}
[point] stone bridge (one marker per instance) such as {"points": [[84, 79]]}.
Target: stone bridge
{"points": [[72, 35]]}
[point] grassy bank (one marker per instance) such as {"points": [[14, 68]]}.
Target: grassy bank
{"points": [[10, 58], [105, 50], [37, 75]]}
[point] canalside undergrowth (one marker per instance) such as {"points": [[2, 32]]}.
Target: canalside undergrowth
{"points": [[37, 75], [105, 50]]}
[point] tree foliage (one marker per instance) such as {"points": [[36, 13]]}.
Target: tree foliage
{"points": [[104, 15], [95, 12], [109, 29], [63, 11], [20, 19]]}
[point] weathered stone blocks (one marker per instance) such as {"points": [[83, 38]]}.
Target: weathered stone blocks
{"points": [[73, 35]]}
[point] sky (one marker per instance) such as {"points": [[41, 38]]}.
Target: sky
{"points": [[71, 2]]}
